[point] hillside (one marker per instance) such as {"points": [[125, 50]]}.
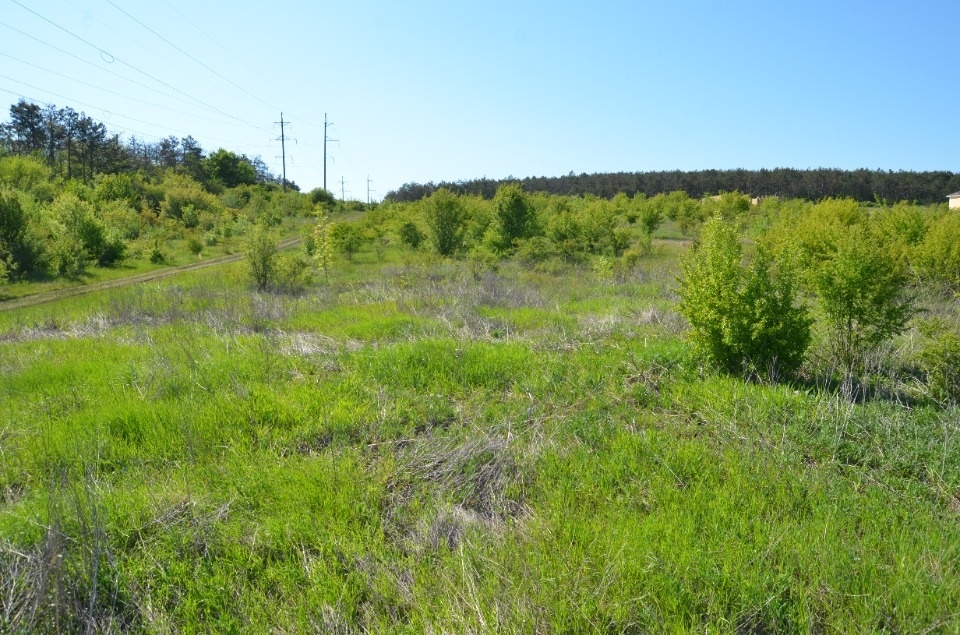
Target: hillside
{"points": [[522, 440]]}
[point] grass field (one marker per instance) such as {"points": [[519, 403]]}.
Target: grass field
{"points": [[419, 446]]}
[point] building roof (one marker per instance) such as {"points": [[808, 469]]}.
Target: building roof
{"points": [[953, 195]]}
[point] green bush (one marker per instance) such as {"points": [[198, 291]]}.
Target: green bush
{"points": [[68, 256], [650, 215], [447, 221], [291, 273], [261, 246], [348, 238], [18, 248], [515, 214], [743, 319], [535, 250], [181, 192], [939, 359], [195, 245], [565, 231], [77, 219], [937, 257], [861, 285], [411, 235], [158, 255]]}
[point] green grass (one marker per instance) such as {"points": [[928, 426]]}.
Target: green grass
{"points": [[137, 261], [419, 447]]}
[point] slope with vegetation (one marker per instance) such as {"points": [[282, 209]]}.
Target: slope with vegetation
{"points": [[502, 415], [78, 205]]}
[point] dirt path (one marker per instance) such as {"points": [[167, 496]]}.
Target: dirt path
{"points": [[69, 292]]}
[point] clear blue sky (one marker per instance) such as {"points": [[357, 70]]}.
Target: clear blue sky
{"points": [[422, 91]]}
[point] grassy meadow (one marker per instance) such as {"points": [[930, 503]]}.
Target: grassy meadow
{"points": [[420, 444]]}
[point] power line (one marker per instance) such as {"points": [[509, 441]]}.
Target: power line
{"points": [[105, 70], [113, 92], [253, 70], [125, 129], [127, 64], [109, 113], [235, 57], [235, 85]]}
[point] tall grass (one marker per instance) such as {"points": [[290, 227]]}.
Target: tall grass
{"points": [[415, 448]]}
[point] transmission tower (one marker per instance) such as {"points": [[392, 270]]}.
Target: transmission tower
{"points": [[283, 149]]}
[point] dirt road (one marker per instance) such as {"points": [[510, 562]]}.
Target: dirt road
{"points": [[59, 294]]}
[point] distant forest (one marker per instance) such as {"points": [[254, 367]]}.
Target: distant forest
{"points": [[862, 185]]}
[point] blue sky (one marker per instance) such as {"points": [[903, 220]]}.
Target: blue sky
{"points": [[431, 91]]}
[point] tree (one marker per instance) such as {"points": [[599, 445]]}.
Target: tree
{"points": [[410, 234], [323, 243], [191, 158], [515, 214], [70, 121], [320, 196], [229, 169], [447, 221], [261, 256], [861, 285], [168, 152], [56, 133], [744, 319], [26, 119], [651, 214], [17, 251], [348, 238]]}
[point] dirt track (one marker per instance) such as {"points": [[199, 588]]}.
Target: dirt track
{"points": [[59, 294]]}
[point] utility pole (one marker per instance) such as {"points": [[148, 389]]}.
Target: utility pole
{"points": [[343, 196], [369, 181], [325, 139], [283, 150]]}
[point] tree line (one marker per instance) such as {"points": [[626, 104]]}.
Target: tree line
{"points": [[75, 146], [861, 185]]}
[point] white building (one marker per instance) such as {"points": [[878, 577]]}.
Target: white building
{"points": [[954, 200]]}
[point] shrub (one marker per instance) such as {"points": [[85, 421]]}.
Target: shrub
{"points": [[535, 250], [195, 245], [322, 241], [937, 257], [862, 290], [743, 319], [158, 255], [117, 187], [76, 218], [939, 358], [261, 247], [565, 230], [482, 260], [729, 205], [679, 207], [348, 238], [651, 215], [320, 196], [68, 257], [410, 234], [17, 245], [291, 273], [447, 221], [181, 192], [114, 250], [515, 214]]}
